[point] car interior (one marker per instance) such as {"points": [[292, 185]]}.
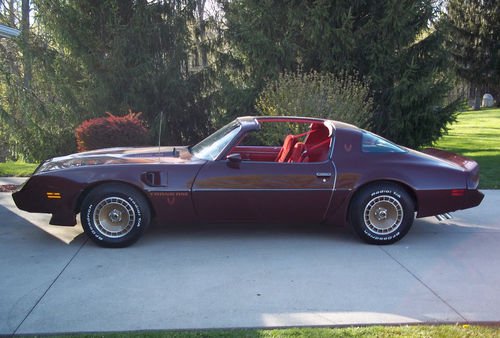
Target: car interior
{"points": [[311, 145]]}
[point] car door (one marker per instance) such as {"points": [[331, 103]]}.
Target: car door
{"points": [[263, 191]]}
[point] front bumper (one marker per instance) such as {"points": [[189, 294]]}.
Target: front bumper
{"points": [[45, 195]]}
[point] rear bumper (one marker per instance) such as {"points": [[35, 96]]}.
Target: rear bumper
{"points": [[473, 198], [435, 202]]}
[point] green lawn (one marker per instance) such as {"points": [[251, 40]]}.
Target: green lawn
{"points": [[477, 135], [369, 331], [17, 169]]}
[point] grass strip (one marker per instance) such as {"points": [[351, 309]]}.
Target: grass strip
{"points": [[459, 330], [17, 169], [477, 135]]}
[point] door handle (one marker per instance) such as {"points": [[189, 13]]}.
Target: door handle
{"points": [[324, 175]]}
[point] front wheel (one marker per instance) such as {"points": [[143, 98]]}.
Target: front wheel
{"points": [[114, 215], [382, 213]]}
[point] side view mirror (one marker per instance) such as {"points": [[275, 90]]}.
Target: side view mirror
{"points": [[233, 160]]}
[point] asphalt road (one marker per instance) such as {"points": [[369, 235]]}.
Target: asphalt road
{"points": [[52, 279]]}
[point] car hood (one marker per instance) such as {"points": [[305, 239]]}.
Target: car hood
{"points": [[110, 156]]}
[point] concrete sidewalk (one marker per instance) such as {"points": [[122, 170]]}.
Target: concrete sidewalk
{"points": [[219, 276], [12, 180]]}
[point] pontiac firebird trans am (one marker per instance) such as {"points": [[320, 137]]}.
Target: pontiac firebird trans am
{"points": [[262, 169]]}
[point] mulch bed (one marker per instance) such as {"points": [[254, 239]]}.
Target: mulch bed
{"points": [[8, 187]]}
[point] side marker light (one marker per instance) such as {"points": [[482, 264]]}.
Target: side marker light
{"points": [[54, 195]]}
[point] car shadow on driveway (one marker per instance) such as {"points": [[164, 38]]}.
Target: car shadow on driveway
{"points": [[423, 230], [250, 231]]}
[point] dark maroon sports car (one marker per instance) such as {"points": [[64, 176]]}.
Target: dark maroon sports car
{"points": [[261, 169]]}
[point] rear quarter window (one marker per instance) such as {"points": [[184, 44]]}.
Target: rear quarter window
{"points": [[372, 143]]}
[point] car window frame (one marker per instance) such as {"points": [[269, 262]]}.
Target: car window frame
{"points": [[398, 148], [245, 132], [223, 149]]}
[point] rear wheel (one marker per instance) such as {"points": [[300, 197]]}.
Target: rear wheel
{"points": [[382, 213], [115, 215]]}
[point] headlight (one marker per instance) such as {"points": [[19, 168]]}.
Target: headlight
{"points": [[50, 165], [72, 162]]}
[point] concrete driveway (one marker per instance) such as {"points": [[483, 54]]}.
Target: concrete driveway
{"points": [[218, 276]]}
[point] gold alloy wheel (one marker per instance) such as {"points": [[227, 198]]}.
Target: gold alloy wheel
{"points": [[114, 217], [383, 214]]}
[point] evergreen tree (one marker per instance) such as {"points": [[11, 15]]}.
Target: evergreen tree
{"points": [[33, 122], [392, 43], [134, 55], [80, 59], [473, 39]]}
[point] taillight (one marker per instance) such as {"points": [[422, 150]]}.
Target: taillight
{"points": [[457, 192]]}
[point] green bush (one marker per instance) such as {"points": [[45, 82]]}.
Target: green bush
{"points": [[340, 97], [111, 131]]}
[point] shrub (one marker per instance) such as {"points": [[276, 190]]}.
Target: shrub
{"points": [[111, 131], [340, 97]]}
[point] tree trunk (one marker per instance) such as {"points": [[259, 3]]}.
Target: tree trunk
{"points": [[202, 26], [25, 29], [477, 100]]}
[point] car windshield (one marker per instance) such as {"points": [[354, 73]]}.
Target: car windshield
{"points": [[211, 147]]}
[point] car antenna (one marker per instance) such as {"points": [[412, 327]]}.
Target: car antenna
{"points": [[159, 137]]}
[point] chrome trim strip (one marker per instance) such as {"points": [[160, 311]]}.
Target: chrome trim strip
{"points": [[332, 147], [162, 189]]}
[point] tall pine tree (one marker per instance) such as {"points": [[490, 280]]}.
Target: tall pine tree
{"points": [[134, 55], [33, 122], [392, 43], [79, 59]]}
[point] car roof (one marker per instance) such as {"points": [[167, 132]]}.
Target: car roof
{"points": [[282, 119], [299, 119]]}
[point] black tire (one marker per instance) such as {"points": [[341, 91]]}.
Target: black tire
{"points": [[115, 215], [382, 213]]}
